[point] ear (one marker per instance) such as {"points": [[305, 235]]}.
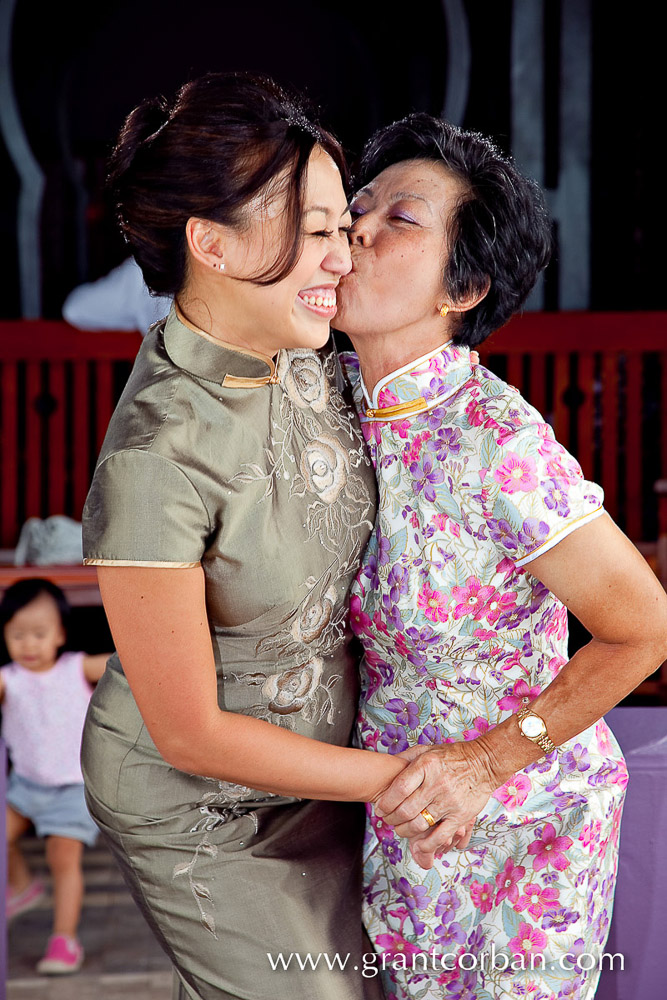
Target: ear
{"points": [[206, 242], [472, 298]]}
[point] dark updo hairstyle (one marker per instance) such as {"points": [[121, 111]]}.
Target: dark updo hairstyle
{"points": [[24, 592], [500, 230], [224, 138]]}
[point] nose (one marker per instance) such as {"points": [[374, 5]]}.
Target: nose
{"points": [[338, 260], [361, 233]]}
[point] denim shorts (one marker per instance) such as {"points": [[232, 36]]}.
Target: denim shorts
{"points": [[54, 810]]}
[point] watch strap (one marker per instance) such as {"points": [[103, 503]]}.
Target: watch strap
{"points": [[543, 741]]}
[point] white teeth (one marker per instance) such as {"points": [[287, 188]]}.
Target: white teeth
{"points": [[323, 301]]}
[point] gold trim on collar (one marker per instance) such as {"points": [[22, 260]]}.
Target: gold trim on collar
{"points": [[408, 409], [234, 381]]}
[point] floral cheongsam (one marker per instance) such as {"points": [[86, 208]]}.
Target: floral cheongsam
{"points": [[458, 634]]}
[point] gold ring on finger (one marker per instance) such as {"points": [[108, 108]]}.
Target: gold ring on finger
{"points": [[427, 816]]}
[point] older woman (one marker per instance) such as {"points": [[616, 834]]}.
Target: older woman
{"points": [[486, 533]]}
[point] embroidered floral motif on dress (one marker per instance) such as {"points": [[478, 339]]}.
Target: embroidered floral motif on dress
{"points": [[316, 444]]}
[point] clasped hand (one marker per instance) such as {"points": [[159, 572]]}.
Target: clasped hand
{"points": [[452, 782]]}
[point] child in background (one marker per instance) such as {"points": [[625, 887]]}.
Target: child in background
{"points": [[44, 694]]}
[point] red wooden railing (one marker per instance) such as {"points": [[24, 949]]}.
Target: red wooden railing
{"points": [[601, 381], [600, 378], [58, 388]]}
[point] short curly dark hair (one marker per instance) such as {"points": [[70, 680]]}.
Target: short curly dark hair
{"points": [[500, 232]]}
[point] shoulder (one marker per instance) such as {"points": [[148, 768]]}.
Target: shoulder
{"points": [[496, 413], [158, 396], [8, 675], [486, 393], [70, 661]]}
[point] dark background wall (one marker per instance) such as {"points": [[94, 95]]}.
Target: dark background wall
{"points": [[77, 70]]}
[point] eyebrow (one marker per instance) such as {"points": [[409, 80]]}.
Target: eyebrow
{"points": [[396, 196], [326, 210]]}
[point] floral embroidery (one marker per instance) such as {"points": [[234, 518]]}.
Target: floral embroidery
{"points": [[201, 893], [301, 373], [325, 468], [298, 689], [317, 445]]}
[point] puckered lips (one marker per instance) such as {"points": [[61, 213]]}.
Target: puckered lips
{"points": [[320, 300]]}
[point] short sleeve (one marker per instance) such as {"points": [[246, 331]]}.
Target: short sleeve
{"points": [[142, 510], [535, 490]]}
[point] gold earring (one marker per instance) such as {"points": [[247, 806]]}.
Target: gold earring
{"points": [[444, 309]]}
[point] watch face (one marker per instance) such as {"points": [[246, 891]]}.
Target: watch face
{"points": [[533, 726]]}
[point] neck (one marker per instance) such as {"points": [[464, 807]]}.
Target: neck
{"points": [[381, 357], [40, 670], [203, 305]]}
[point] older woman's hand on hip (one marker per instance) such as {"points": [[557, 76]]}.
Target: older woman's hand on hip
{"points": [[435, 800]]}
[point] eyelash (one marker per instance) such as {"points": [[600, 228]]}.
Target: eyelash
{"points": [[328, 233], [356, 214]]}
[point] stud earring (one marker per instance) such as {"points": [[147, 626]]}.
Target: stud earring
{"points": [[444, 309], [221, 265]]}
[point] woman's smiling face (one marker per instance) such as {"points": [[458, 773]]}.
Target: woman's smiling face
{"points": [[399, 245], [295, 311]]}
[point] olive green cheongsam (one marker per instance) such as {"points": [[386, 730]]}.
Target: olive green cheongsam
{"points": [[214, 456]]}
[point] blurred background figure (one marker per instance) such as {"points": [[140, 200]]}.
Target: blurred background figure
{"points": [[119, 300], [44, 693]]}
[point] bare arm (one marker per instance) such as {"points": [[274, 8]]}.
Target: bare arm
{"points": [[93, 666], [604, 581], [159, 624]]}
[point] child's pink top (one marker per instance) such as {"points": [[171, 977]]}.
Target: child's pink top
{"points": [[42, 719]]}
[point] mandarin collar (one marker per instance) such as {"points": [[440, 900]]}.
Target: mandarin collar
{"points": [[205, 357], [421, 384]]}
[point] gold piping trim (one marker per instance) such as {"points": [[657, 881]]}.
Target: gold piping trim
{"points": [[233, 381], [237, 382], [139, 562], [400, 410], [403, 370], [566, 530]]}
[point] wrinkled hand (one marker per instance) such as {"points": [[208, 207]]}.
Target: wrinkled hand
{"points": [[453, 782]]}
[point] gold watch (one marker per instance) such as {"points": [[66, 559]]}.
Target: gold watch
{"points": [[534, 728]]}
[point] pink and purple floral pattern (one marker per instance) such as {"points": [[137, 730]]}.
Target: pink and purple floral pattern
{"points": [[457, 635]]}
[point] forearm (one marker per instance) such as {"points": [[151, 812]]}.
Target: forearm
{"points": [[160, 627], [252, 752], [596, 678]]}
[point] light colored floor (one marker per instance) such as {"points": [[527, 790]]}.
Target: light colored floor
{"points": [[122, 958]]}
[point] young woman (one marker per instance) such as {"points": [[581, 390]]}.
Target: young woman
{"points": [[228, 513]]}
